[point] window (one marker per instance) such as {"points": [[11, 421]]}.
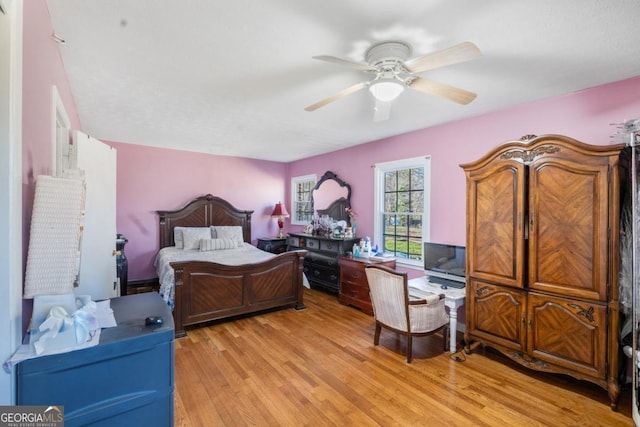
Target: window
{"points": [[402, 208], [301, 206]]}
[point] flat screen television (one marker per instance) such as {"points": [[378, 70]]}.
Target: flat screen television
{"points": [[445, 264]]}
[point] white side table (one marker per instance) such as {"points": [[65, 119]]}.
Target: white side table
{"points": [[453, 298]]}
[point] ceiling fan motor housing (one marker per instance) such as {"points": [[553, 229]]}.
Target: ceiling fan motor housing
{"points": [[388, 53]]}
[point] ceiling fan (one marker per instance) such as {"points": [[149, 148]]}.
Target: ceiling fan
{"points": [[392, 72]]}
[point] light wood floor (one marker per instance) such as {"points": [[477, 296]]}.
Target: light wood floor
{"points": [[319, 367]]}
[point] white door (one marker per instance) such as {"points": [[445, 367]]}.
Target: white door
{"points": [[97, 255], [10, 189]]}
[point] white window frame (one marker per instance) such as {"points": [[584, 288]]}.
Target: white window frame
{"points": [[380, 170], [294, 196]]}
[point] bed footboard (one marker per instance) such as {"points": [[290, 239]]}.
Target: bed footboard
{"points": [[206, 291]]}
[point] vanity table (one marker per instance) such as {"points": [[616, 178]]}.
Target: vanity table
{"points": [[453, 298], [331, 197]]}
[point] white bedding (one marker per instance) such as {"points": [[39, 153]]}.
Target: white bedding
{"points": [[245, 254]]}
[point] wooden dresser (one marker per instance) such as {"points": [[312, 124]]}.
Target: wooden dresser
{"points": [[542, 256], [354, 288], [321, 262]]}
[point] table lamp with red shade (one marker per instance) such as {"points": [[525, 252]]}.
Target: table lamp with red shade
{"points": [[280, 213]]}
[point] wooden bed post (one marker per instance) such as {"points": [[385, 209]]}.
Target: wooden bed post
{"points": [[177, 308]]}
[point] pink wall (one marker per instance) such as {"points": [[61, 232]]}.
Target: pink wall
{"points": [[151, 179], [42, 69], [586, 116]]}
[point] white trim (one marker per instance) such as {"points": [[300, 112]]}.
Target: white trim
{"points": [[59, 141], [10, 191], [380, 169], [402, 163], [311, 177]]}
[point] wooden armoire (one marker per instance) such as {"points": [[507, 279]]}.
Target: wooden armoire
{"points": [[542, 256]]}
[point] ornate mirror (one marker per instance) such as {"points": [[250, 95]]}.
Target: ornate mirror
{"points": [[331, 196]]}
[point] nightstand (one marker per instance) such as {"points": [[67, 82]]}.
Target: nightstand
{"points": [[274, 245]]}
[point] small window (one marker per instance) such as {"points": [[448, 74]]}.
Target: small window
{"points": [[301, 206], [402, 208]]}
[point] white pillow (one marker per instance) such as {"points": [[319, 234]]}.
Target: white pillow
{"points": [[217, 244], [233, 232], [178, 239], [192, 236]]}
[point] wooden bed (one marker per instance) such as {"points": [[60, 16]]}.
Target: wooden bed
{"points": [[206, 291]]}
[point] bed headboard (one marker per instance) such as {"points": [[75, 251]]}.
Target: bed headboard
{"points": [[203, 211]]}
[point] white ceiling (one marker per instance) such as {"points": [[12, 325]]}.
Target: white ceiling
{"points": [[233, 77]]}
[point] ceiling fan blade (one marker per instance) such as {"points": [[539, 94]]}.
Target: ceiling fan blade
{"points": [[381, 111], [346, 62], [461, 52], [334, 97], [443, 90]]}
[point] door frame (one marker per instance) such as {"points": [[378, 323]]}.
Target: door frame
{"points": [[10, 189]]}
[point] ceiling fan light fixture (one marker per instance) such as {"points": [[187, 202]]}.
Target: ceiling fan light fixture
{"points": [[386, 90]]}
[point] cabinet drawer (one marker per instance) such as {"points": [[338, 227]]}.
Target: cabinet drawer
{"points": [[312, 244], [355, 290], [353, 273], [321, 260], [330, 246], [294, 241], [322, 274]]}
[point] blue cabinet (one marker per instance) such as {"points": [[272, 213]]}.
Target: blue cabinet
{"points": [[125, 380]]}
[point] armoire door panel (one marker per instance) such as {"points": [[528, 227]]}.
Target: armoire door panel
{"points": [[498, 225], [568, 229], [498, 314], [568, 333]]}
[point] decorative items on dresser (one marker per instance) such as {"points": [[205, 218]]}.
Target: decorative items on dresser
{"points": [[354, 288], [275, 245], [542, 256], [321, 262]]}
